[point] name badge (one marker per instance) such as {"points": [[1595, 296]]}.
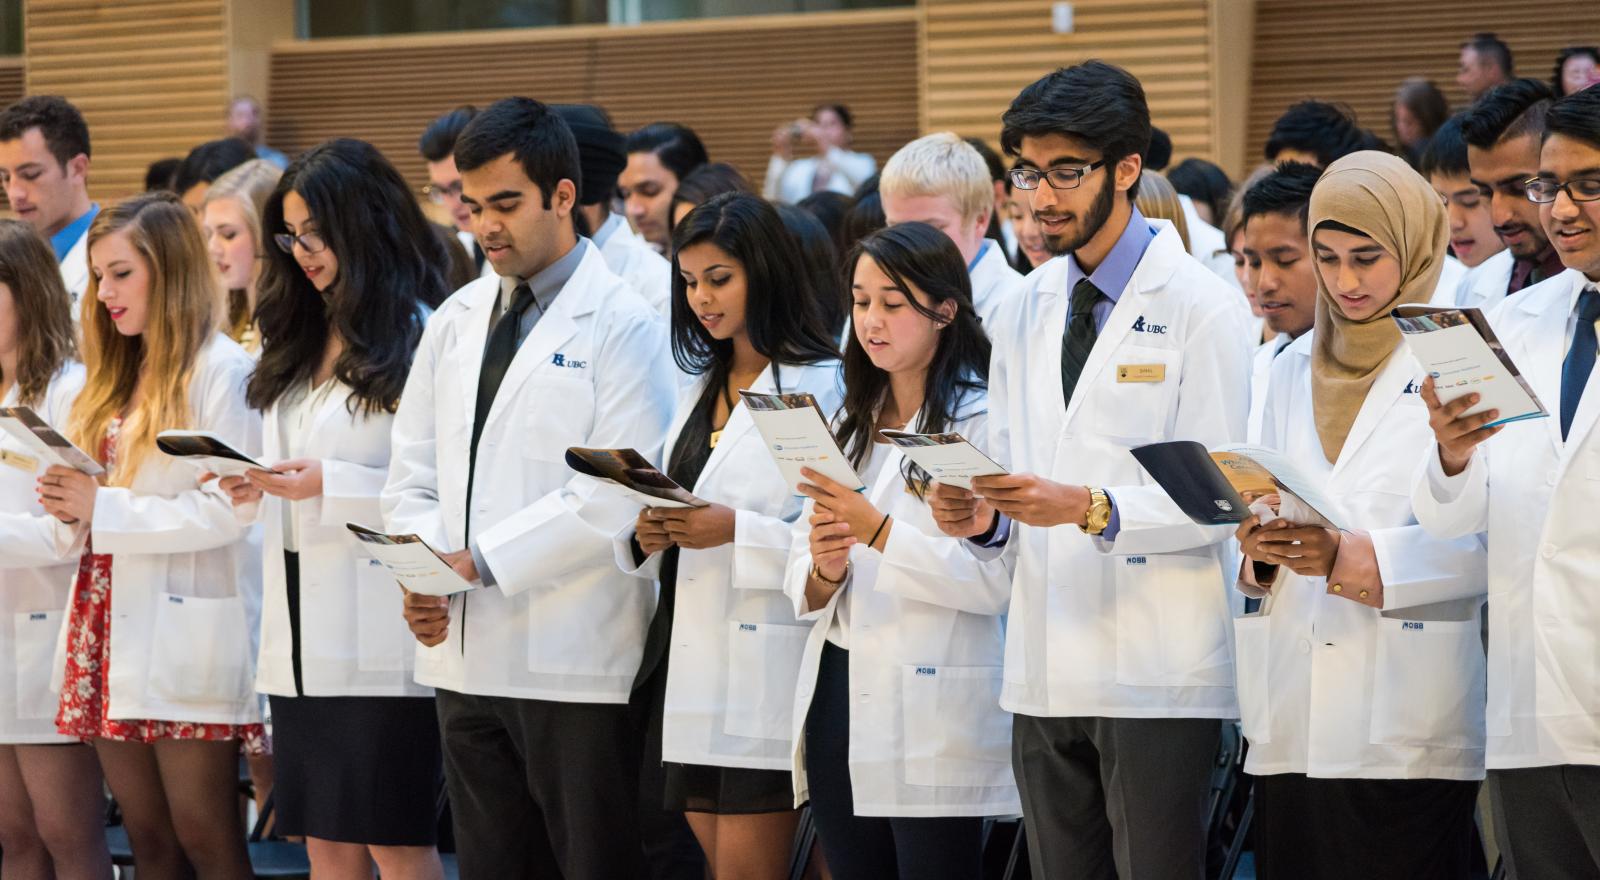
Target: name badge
{"points": [[1142, 373], [19, 461]]}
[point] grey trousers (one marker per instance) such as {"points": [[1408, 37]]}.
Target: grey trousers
{"points": [[1115, 797], [1548, 821]]}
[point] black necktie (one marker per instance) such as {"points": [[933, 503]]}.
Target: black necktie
{"points": [[497, 356], [1580, 357], [1078, 339]]}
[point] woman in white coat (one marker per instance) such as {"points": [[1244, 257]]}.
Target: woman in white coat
{"points": [[157, 672], [51, 799], [355, 739], [745, 315], [1361, 679], [900, 741]]}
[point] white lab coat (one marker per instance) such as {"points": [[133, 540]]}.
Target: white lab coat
{"points": [[1536, 497], [994, 283], [927, 734], [1260, 379], [75, 274], [632, 259], [354, 641], [186, 579], [1485, 284], [735, 643], [1138, 627], [789, 181], [1450, 280], [36, 572], [1208, 244], [1332, 688], [562, 623]]}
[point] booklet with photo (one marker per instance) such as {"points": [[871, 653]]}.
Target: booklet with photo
{"points": [[208, 452], [1215, 487], [797, 435], [948, 458], [46, 446], [1460, 351], [641, 480], [416, 566]]}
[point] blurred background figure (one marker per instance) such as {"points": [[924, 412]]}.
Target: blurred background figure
{"points": [[831, 165], [245, 123], [1419, 109]]}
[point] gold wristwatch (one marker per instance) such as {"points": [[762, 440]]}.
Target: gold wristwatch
{"points": [[1099, 515]]}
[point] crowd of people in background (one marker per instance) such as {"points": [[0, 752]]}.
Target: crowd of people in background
{"points": [[658, 692]]}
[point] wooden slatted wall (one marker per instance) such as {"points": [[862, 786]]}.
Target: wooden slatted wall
{"points": [[732, 80], [980, 53], [10, 90], [151, 77], [1358, 51]]}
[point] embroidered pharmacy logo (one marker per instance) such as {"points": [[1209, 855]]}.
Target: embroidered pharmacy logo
{"points": [[561, 360], [1140, 326]]}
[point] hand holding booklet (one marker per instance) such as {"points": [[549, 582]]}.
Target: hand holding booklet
{"points": [[45, 443], [797, 435], [1460, 351], [417, 566], [948, 458], [208, 452], [639, 479], [1219, 486]]}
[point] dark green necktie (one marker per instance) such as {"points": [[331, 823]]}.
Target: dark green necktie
{"points": [[1078, 340]]}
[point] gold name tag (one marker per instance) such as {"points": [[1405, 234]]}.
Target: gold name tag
{"points": [[1142, 373], [19, 461]]}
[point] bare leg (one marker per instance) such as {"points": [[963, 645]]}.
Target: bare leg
{"points": [[65, 784], [408, 862], [754, 846], [25, 855], [332, 860], [201, 778], [135, 782]]}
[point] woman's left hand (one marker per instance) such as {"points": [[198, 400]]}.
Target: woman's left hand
{"points": [[846, 505], [297, 479], [698, 528], [68, 494], [1306, 550]]}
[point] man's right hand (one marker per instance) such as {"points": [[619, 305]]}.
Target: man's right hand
{"points": [[427, 616], [959, 513], [1457, 435]]}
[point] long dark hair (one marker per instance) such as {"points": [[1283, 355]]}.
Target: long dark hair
{"points": [[783, 311], [821, 256], [390, 262], [916, 256]]}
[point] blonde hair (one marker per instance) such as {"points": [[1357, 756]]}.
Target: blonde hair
{"points": [[250, 185], [42, 307], [182, 314], [1158, 199], [940, 164]]}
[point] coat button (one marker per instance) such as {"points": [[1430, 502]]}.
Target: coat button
{"points": [[1548, 551], [1304, 645]]}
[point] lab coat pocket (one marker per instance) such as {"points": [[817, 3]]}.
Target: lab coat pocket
{"points": [[383, 642], [1172, 618], [1252, 638], [1134, 393], [954, 731], [1428, 686], [200, 652], [36, 633], [763, 669]]}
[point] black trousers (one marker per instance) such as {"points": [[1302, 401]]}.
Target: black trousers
{"points": [[1376, 829], [1548, 820], [541, 789], [873, 847], [1104, 798]]}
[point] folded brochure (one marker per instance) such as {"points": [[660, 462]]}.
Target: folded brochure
{"points": [[1459, 350], [640, 479], [417, 566], [44, 443], [208, 452], [1218, 486], [797, 436], [948, 458]]}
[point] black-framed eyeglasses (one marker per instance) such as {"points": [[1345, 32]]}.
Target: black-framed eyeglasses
{"points": [[1543, 190], [437, 194], [311, 241], [1060, 177]]}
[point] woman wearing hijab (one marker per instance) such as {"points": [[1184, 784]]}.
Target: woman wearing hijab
{"points": [[1361, 678]]}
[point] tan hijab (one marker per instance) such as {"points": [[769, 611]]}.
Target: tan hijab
{"points": [[1383, 197]]}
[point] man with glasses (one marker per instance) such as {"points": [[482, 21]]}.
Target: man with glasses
{"points": [[1502, 132], [1530, 487], [437, 146], [1118, 666], [1472, 237]]}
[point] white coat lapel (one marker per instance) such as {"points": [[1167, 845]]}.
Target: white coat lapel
{"points": [[1385, 392], [739, 424], [688, 396], [1154, 270], [472, 338], [1541, 360], [554, 328], [1583, 420]]}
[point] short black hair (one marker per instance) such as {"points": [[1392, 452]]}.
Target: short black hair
{"points": [[1447, 151], [677, 146], [530, 131], [1576, 116], [1203, 182], [438, 140], [1563, 57], [210, 161], [1508, 110], [840, 110], [160, 173], [996, 165], [829, 208], [1285, 190], [707, 182], [1489, 46], [1326, 130], [1095, 102], [1158, 155], [62, 126]]}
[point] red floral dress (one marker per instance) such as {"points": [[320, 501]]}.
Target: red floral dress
{"points": [[82, 712]]}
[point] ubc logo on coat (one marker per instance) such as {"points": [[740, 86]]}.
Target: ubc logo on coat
{"points": [[560, 360], [1412, 388], [1139, 326]]}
